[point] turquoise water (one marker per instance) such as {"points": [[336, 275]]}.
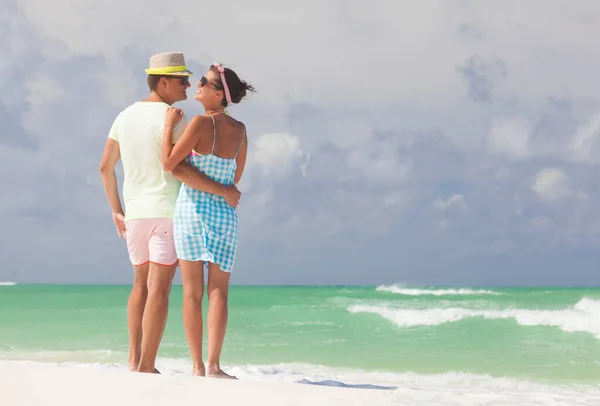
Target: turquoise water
{"points": [[365, 334]]}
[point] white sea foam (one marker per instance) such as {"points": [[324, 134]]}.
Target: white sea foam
{"points": [[582, 317], [400, 290], [8, 283], [294, 372], [65, 356], [410, 389]]}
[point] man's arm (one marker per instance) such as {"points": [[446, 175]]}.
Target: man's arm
{"points": [[110, 157], [191, 176]]}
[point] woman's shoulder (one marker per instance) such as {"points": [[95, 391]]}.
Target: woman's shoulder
{"points": [[200, 122], [235, 122], [200, 118]]}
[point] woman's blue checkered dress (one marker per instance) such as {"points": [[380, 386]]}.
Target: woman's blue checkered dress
{"points": [[205, 227]]}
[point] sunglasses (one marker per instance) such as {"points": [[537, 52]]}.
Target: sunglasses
{"points": [[184, 80], [204, 81]]}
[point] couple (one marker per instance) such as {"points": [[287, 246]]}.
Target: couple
{"points": [[180, 198]]}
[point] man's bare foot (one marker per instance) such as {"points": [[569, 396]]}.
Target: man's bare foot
{"points": [[217, 372], [200, 371]]}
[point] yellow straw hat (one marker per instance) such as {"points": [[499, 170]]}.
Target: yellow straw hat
{"points": [[168, 63]]}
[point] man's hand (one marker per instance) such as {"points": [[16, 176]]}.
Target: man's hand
{"points": [[119, 221], [232, 195], [191, 176]]}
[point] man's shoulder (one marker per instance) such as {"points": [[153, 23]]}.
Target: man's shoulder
{"points": [[126, 111], [144, 110], [142, 106]]}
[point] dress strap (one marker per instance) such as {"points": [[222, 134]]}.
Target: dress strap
{"points": [[241, 143], [214, 133]]}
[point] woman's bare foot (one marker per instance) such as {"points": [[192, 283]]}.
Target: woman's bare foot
{"points": [[199, 371], [214, 371]]}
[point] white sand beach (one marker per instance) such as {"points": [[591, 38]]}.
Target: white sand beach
{"points": [[29, 384], [35, 384]]}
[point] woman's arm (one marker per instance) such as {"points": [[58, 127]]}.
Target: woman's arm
{"points": [[241, 160], [172, 158], [191, 176]]}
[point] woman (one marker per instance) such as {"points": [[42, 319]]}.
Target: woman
{"points": [[205, 227]]}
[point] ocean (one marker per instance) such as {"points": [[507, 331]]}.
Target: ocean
{"points": [[382, 337]]}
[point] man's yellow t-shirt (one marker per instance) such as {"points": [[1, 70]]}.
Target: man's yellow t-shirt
{"points": [[148, 190]]}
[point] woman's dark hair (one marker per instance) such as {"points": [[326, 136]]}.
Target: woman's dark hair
{"points": [[237, 87]]}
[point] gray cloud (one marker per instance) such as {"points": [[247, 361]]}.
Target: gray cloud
{"points": [[555, 128], [470, 31], [307, 121], [481, 77], [367, 164]]}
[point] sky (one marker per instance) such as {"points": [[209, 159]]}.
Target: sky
{"points": [[400, 142]]}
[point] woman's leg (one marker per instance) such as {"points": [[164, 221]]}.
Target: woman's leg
{"points": [[218, 288], [192, 279]]}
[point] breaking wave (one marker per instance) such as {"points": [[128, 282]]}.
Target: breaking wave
{"points": [[434, 292], [582, 317]]}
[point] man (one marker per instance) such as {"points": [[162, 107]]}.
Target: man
{"points": [[149, 194]]}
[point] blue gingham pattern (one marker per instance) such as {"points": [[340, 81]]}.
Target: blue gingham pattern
{"points": [[205, 226]]}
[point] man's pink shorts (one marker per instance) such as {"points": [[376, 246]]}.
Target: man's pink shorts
{"points": [[151, 240]]}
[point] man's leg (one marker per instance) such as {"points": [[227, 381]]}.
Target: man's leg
{"points": [[138, 234], [160, 278], [163, 263], [135, 312]]}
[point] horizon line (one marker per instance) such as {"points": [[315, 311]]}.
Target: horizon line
{"points": [[332, 285]]}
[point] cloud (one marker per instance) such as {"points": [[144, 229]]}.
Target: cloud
{"points": [[470, 31], [552, 133], [584, 146], [412, 143], [343, 49], [454, 200], [551, 184], [480, 76], [275, 155], [510, 138]]}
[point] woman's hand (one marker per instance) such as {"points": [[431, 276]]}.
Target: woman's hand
{"points": [[173, 116]]}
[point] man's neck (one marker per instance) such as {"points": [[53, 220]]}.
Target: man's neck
{"points": [[155, 97]]}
